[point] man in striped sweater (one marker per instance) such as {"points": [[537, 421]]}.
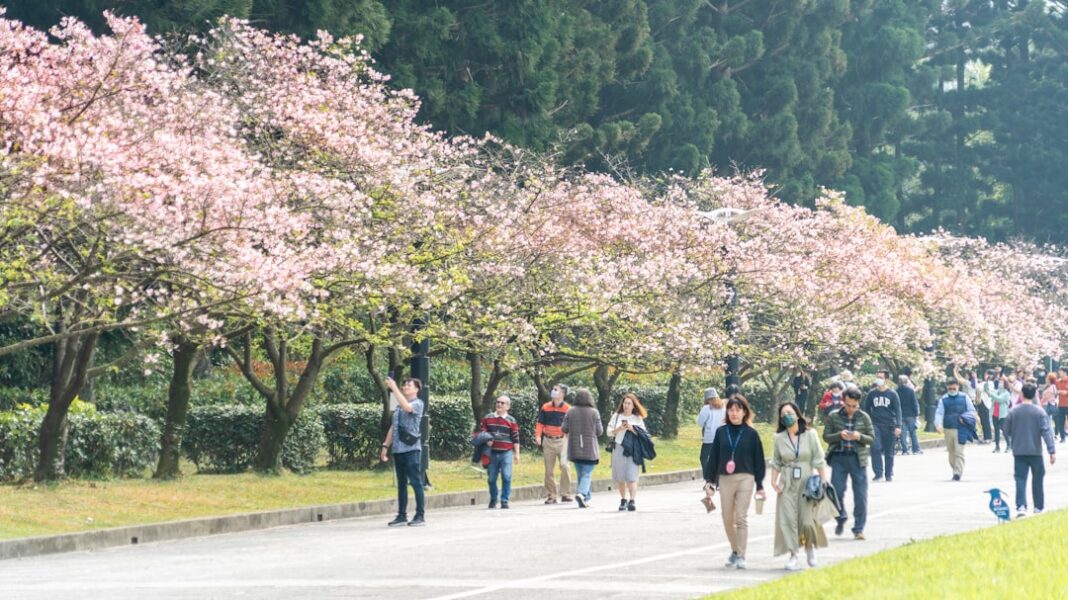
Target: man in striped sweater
{"points": [[504, 449], [553, 442]]}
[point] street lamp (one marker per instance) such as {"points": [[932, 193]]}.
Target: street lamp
{"points": [[730, 216]]}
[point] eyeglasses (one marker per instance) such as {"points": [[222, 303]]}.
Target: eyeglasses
{"points": [[501, 402]]}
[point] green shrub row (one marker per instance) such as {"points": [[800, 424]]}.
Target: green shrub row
{"points": [[99, 444], [224, 439]]}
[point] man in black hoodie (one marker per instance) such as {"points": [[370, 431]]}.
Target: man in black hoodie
{"points": [[910, 415], [884, 407]]}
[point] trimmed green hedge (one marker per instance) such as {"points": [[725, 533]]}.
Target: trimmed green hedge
{"points": [[352, 434], [224, 439], [99, 445], [653, 398]]}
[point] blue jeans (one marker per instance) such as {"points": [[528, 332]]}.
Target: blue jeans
{"points": [[908, 436], [882, 451], [1022, 465], [408, 467], [848, 465], [585, 478], [500, 462]]}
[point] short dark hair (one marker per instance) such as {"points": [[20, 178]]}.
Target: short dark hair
{"points": [[563, 390], [1028, 391], [731, 390], [885, 374], [801, 423], [583, 397], [836, 384], [741, 403], [853, 393]]}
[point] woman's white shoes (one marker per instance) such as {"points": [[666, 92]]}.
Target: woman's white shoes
{"points": [[811, 554], [792, 564]]}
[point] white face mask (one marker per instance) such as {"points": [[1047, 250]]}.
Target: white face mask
{"points": [[879, 382], [554, 394]]}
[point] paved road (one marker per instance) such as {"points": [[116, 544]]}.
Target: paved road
{"points": [[667, 549]]}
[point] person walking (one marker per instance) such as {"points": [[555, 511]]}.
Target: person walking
{"points": [[504, 449], [1062, 402], [949, 418], [736, 468], [796, 453], [582, 425], [403, 437], [1000, 404], [549, 435], [1047, 399], [849, 434], [710, 419], [628, 416], [884, 407], [983, 405], [1029, 427], [801, 383], [831, 400], [910, 416]]}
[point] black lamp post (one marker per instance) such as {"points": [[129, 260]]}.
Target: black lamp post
{"points": [[420, 369]]}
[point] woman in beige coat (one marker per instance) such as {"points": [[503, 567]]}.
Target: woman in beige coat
{"points": [[796, 453]]}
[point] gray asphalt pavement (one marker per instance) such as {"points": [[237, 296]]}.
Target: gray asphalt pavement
{"points": [[669, 548]]}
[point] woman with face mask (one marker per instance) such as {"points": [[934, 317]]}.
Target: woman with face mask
{"points": [[796, 453]]}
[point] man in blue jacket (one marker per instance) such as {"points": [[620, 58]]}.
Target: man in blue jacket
{"points": [[948, 418]]}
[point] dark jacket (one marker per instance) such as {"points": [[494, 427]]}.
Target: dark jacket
{"points": [[910, 405], [481, 442], [583, 427], [748, 454], [639, 446], [836, 424], [966, 432]]}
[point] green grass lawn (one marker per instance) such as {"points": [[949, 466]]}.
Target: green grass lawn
{"points": [[30, 510], [1017, 560]]}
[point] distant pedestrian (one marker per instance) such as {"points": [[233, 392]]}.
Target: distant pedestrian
{"points": [[910, 416], [801, 384], [950, 415], [549, 434], [628, 416], [1047, 399], [404, 439], [796, 453], [1062, 403], [884, 407], [736, 468], [1001, 404], [984, 403], [504, 449], [849, 433], [711, 418], [831, 400], [1029, 427], [583, 427]]}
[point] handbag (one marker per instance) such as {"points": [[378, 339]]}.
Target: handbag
{"points": [[611, 445], [407, 437], [813, 489]]}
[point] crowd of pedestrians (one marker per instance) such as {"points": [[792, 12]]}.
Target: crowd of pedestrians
{"points": [[811, 471]]}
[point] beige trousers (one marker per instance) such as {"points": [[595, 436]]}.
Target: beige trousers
{"points": [[955, 451], [735, 493], [553, 451]]}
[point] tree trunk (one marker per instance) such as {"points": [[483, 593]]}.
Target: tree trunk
{"points": [[70, 369], [543, 388], [184, 358], [604, 379], [671, 408], [490, 394], [276, 426], [474, 361]]}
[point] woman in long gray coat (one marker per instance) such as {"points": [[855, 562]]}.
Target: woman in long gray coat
{"points": [[583, 427], [796, 453]]}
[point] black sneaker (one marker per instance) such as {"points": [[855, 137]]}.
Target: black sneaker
{"points": [[493, 504], [889, 478], [623, 504], [877, 478], [631, 507], [398, 521], [839, 529], [417, 522], [956, 478], [581, 501], [504, 505]]}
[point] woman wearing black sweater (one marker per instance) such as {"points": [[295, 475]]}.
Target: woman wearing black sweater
{"points": [[736, 468]]}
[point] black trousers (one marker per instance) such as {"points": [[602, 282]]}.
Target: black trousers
{"points": [[1022, 465]]}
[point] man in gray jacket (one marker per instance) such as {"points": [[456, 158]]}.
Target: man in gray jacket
{"points": [[1027, 426]]}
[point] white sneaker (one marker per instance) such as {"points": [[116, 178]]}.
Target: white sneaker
{"points": [[793, 564], [732, 561], [1037, 511], [810, 553], [740, 563], [1021, 512]]}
